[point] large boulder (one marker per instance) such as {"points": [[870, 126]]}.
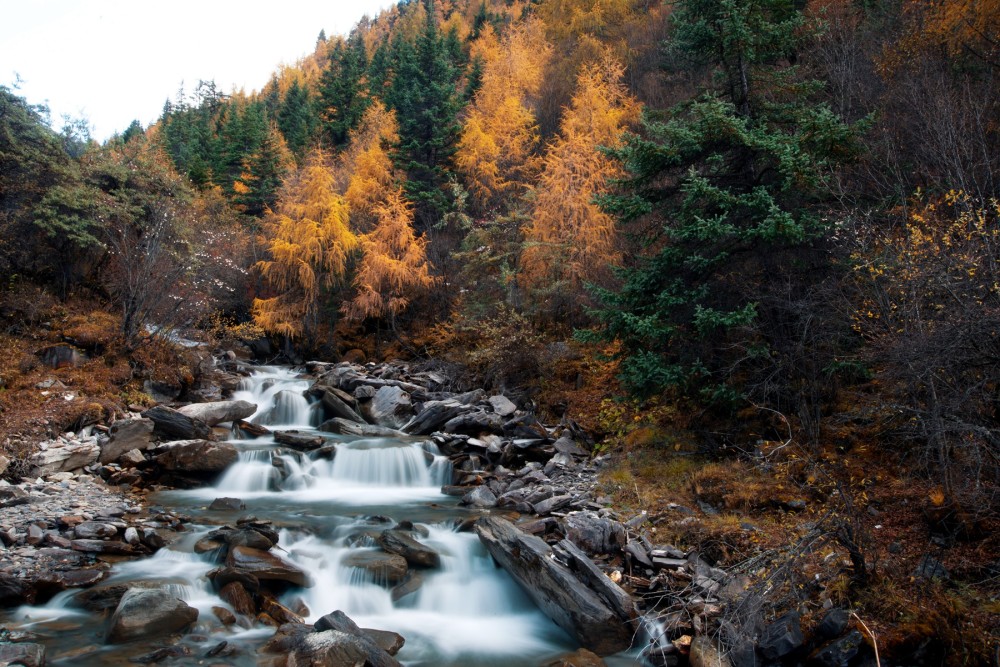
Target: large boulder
{"points": [[433, 415], [572, 604], [218, 412], [197, 456], [144, 613], [391, 407], [173, 424], [595, 534], [64, 456], [266, 566], [385, 568], [299, 644], [127, 435], [415, 553], [347, 427], [340, 404], [25, 654]]}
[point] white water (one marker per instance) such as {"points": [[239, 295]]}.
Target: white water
{"points": [[467, 612]]}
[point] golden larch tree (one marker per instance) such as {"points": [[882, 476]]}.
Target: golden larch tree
{"points": [[309, 241], [393, 265], [570, 240], [496, 152]]}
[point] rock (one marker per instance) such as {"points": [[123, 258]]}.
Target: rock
{"points": [[415, 553], [248, 537], [297, 440], [480, 497], [225, 616], [236, 596], [131, 458], [620, 602], [834, 624], [12, 496], [388, 641], [580, 658], [568, 446], [266, 566], [174, 424], [15, 591], [197, 456], [704, 653], [250, 430], [327, 648], [391, 407], [101, 599], [781, 637], [474, 423], [64, 457], [341, 405], [61, 356], [839, 652], [4, 464], [553, 587], [90, 530], [162, 392], [502, 405], [385, 568], [930, 568], [595, 534], [552, 504], [127, 435], [219, 411], [144, 613], [433, 415], [346, 427], [227, 505], [25, 653], [132, 536], [104, 547]]}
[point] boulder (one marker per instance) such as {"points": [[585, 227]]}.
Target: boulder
{"points": [[197, 456], [474, 423], [782, 637], [112, 547], [15, 591], [218, 412], [433, 415], [127, 435], [266, 566], [173, 424], [61, 356], [391, 407], [385, 568], [502, 405], [64, 457], [26, 654], [620, 602], [305, 442], [90, 530], [838, 652], [227, 505], [340, 404], [144, 613], [236, 596], [298, 644], [481, 497], [565, 445], [570, 603], [347, 427], [595, 534], [415, 553]]}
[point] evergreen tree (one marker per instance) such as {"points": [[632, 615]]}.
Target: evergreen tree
{"points": [[718, 185], [425, 97], [297, 119], [263, 171], [343, 89]]}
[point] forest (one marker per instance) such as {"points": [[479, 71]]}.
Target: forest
{"points": [[752, 246]]}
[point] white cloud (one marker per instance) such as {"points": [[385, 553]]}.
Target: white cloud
{"points": [[115, 61]]}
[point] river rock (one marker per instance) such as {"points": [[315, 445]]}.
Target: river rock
{"points": [[144, 613], [218, 412], [297, 644], [415, 553], [305, 442], [433, 415], [26, 654], [581, 658], [173, 424], [197, 456], [595, 534], [391, 407], [481, 497], [236, 595], [64, 456], [112, 547], [388, 641], [474, 423], [384, 567], [341, 404], [227, 505], [91, 530], [347, 427], [502, 405], [15, 591], [572, 605], [127, 435], [266, 566]]}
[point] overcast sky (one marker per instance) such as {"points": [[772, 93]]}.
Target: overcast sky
{"points": [[115, 61]]}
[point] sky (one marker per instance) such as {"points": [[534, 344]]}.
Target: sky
{"points": [[115, 61]]}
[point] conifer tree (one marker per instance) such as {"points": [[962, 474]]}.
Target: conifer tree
{"points": [[343, 89], [309, 244], [718, 185], [263, 170]]}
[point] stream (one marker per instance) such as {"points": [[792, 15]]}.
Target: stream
{"points": [[468, 612]]}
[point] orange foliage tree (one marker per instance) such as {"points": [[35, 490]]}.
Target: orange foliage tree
{"points": [[496, 152], [310, 241], [393, 265], [570, 240]]}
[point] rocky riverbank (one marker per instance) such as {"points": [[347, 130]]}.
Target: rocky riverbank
{"points": [[533, 488]]}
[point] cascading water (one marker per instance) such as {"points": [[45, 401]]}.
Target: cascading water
{"points": [[331, 503]]}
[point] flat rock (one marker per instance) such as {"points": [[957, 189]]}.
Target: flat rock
{"points": [[174, 424], [197, 456], [415, 553], [266, 566], [64, 457], [347, 427], [127, 435], [218, 412]]}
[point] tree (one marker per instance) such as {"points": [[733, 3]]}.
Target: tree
{"points": [[309, 244], [343, 89], [393, 265], [297, 118], [263, 170], [496, 151], [718, 189], [570, 239]]}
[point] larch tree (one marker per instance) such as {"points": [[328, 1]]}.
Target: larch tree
{"points": [[310, 242], [496, 151], [393, 265], [570, 239]]}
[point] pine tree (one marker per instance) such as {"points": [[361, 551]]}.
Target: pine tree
{"points": [[297, 118], [263, 171], [309, 245], [343, 89], [717, 185]]}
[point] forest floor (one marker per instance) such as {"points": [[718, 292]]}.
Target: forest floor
{"points": [[856, 525]]}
